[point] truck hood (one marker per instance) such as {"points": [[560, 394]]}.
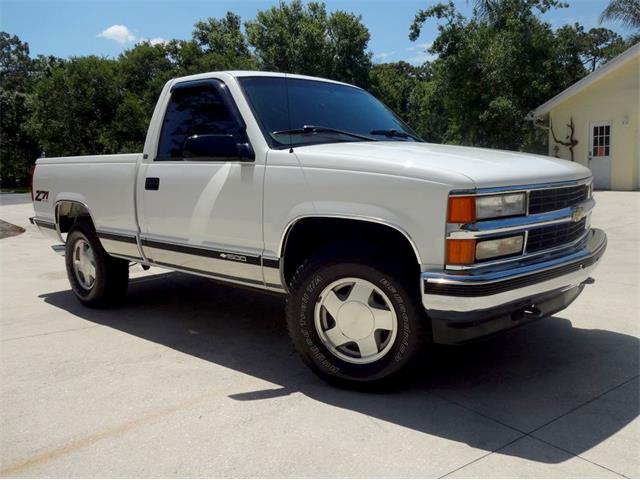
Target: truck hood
{"points": [[463, 167]]}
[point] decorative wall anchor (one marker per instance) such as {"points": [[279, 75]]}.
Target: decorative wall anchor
{"points": [[571, 142]]}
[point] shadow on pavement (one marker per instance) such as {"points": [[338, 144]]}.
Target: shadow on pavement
{"points": [[524, 379], [9, 230]]}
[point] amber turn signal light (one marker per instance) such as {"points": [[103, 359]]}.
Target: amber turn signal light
{"points": [[462, 210], [461, 252]]}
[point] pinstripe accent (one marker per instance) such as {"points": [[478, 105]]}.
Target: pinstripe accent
{"points": [[204, 252]]}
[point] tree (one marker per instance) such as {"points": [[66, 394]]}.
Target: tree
{"points": [[570, 49], [588, 49], [624, 12], [222, 36], [601, 45], [300, 38], [489, 71], [223, 44], [493, 10], [393, 83], [74, 107], [91, 105], [492, 69], [18, 148], [347, 59], [141, 73], [15, 63], [426, 112]]}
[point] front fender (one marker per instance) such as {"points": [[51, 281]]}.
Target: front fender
{"points": [[415, 207]]}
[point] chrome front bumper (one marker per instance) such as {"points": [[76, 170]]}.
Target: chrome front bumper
{"points": [[462, 304]]}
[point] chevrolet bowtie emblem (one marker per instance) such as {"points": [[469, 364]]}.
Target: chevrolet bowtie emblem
{"points": [[578, 214]]}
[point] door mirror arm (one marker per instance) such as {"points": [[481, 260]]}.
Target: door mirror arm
{"points": [[246, 152]]}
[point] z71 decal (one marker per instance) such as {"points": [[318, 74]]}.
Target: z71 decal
{"points": [[41, 196]]}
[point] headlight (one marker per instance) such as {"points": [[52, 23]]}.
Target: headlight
{"points": [[501, 205], [468, 209], [468, 251], [500, 247]]}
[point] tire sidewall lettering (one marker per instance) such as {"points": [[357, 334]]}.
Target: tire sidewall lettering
{"points": [[306, 311], [323, 358]]}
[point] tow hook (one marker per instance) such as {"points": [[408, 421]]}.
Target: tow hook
{"points": [[527, 313]]}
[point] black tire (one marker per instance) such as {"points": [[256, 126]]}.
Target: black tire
{"points": [[320, 271], [111, 274]]}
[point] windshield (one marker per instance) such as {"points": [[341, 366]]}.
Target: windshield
{"points": [[320, 112]]}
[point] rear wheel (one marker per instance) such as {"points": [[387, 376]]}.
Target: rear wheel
{"points": [[96, 278], [354, 320]]}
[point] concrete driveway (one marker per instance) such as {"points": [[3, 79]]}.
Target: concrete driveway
{"points": [[192, 378]]}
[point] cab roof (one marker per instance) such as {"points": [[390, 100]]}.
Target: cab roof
{"points": [[254, 73]]}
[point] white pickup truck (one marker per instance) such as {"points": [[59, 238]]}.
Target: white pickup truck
{"points": [[314, 189]]}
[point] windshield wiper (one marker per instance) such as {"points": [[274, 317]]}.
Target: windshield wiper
{"points": [[395, 133], [318, 129]]}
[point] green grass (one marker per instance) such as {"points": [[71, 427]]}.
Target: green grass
{"points": [[15, 190]]}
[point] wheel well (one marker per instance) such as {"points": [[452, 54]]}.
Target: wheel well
{"points": [[308, 235], [69, 212]]}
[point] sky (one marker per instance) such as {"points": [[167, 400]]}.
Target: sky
{"points": [[67, 28]]}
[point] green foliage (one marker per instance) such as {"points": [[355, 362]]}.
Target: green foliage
{"points": [[92, 105], [489, 71], [17, 146], [17, 76], [589, 48], [494, 68], [497, 11], [222, 44], [75, 106], [427, 113], [222, 36], [393, 83], [303, 38], [625, 12], [410, 93]]}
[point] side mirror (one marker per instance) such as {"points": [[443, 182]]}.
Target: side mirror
{"points": [[216, 148]]}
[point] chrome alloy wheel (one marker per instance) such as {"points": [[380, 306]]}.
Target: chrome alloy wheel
{"points": [[355, 320], [84, 264]]}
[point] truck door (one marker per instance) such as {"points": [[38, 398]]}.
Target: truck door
{"points": [[201, 210]]}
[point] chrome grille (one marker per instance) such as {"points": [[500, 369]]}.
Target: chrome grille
{"points": [[550, 199], [544, 238]]}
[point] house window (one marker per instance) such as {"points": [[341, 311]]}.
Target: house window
{"points": [[601, 141]]}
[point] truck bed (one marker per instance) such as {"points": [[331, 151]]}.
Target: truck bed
{"points": [[106, 182]]}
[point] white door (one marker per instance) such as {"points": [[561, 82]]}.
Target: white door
{"points": [[203, 213], [600, 154]]}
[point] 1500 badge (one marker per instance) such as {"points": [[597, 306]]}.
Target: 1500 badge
{"points": [[233, 257], [41, 196]]}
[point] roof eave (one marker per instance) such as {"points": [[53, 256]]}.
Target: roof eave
{"points": [[593, 77]]}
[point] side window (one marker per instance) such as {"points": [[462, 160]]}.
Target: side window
{"points": [[197, 110]]}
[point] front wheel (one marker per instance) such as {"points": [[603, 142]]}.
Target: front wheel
{"points": [[96, 278], [355, 322]]}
